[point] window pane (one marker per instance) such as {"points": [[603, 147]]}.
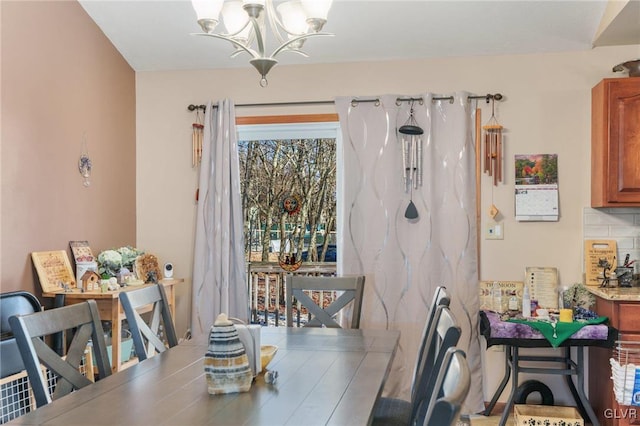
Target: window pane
{"points": [[288, 191]]}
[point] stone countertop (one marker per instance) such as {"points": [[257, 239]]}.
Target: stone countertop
{"points": [[629, 294]]}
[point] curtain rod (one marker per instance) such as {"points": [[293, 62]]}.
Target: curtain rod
{"points": [[354, 102], [268, 104]]}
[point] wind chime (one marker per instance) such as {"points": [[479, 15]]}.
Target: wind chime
{"points": [[84, 163], [411, 160], [493, 147], [289, 259], [196, 140]]}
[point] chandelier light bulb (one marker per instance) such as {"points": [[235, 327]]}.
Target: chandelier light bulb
{"points": [[294, 21], [236, 20], [317, 9], [207, 12], [293, 17]]}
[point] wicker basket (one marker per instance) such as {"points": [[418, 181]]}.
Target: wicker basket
{"points": [[534, 415]]}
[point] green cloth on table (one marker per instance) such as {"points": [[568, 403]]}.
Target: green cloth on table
{"points": [[563, 330]]}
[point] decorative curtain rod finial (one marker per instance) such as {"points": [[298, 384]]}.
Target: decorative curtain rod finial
{"points": [[193, 107], [495, 97]]}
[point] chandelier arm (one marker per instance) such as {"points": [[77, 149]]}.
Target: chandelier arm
{"points": [[259, 39], [284, 45], [275, 22], [233, 35], [234, 42], [299, 52]]}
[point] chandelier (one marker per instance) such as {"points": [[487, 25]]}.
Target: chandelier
{"points": [[291, 22]]}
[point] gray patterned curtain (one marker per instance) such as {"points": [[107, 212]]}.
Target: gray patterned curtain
{"points": [[405, 261], [219, 271]]}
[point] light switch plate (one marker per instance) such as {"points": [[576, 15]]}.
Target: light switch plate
{"points": [[494, 231]]}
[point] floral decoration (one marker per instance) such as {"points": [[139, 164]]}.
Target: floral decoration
{"points": [[111, 261], [578, 296], [129, 255]]}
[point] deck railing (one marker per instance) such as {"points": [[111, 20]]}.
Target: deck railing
{"points": [[266, 289]]}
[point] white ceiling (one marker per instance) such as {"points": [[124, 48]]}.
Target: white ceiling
{"points": [[156, 35]]}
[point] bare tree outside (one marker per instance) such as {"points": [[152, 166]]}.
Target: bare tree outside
{"points": [[288, 191]]}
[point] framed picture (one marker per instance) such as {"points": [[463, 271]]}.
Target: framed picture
{"points": [[81, 251], [54, 270]]}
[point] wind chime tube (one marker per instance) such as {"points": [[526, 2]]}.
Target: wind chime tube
{"points": [[194, 142], [419, 172], [404, 162], [409, 160], [487, 152], [494, 157], [200, 137], [499, 155], [490, 153], [414, 162]]}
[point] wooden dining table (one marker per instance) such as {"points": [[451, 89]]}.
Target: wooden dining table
{"points": [[326, 376]]}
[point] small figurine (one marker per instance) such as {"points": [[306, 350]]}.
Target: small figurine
{"points": [[123, 275], [152, 277], [90, 281]]}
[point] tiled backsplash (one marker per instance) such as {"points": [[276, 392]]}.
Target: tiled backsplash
{"points": [[619, 224]]}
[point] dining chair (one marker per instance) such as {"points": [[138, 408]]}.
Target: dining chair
{"points": [[350, 287], [440, 298], [15, 400], [146, 335], [82, 321], [400, 408], [13, 303], [451, 389], [443, 333]]}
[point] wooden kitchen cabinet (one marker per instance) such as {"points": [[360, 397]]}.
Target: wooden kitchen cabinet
{"points": [[622, 306], [615, 143]]}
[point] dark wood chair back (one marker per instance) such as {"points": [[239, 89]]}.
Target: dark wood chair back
{"points": [[439, 333], [444, 334], [147, 340], [350, 287], [451, 389], [83, 321], [440, 298]]}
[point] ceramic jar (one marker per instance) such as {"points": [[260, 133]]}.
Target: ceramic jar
{"points": [[226, 364]]}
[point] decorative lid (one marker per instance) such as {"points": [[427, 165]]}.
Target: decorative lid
{"points": [[222, 321]]}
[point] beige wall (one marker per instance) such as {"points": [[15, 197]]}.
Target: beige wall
{"points": [[546, 110], [62, 78]]}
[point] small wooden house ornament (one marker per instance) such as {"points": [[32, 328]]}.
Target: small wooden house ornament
{"points": [[90, 281]]}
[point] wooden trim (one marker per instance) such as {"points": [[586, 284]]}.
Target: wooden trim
{"points": [[287, 119], [478, 143]]}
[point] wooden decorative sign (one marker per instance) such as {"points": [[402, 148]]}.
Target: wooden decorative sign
{"points": [[54, 270], [597, 253], [510, 291]]}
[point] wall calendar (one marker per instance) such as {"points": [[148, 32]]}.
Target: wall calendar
{"points": [[536, 187]]}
